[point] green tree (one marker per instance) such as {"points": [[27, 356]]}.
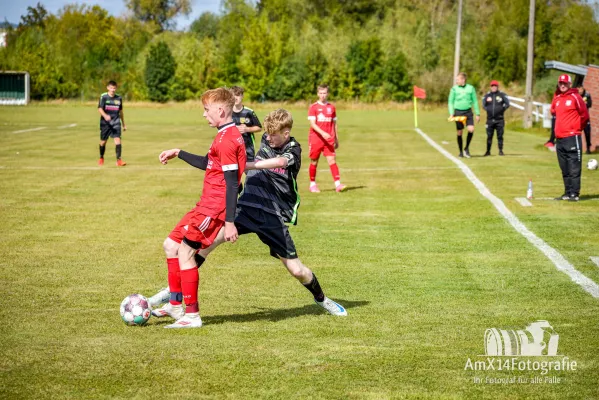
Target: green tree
{"points": [[206, 25], [159, 72], [160, 13]]}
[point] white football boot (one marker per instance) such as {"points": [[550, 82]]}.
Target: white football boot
{"points": [[332, 307], [169, 310], [163, 296], [190, 320]]}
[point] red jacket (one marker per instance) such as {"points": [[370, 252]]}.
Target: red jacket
{"points": [[571, 114]]}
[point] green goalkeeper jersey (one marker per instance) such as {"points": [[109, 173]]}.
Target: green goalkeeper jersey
{"points": [[462, 98]]}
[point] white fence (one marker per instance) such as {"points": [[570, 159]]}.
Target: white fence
{"points": [[541, 110]]}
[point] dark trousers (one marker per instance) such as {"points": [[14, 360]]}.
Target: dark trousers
{"points": [[587, 136], [569, 156], [492, 126]]}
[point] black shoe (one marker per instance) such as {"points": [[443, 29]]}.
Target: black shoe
{"points": [[589, 152], [563, 197], [487, 154], [461, 154], [573, 197], [501, 153], [466, 153]]}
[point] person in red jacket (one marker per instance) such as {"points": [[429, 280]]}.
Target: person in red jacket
{"points": [[571, 116]]}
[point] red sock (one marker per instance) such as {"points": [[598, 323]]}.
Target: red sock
{"points": [[174, 280], [312, 173], [190, 279], [335, 172]]}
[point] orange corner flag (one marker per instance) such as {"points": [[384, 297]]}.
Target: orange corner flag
{"points": [[419, 93]]}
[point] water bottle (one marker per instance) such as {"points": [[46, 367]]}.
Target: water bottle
{"points": [[529, 191]]}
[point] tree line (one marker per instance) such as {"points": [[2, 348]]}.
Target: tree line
{"points": [[366, 50]]}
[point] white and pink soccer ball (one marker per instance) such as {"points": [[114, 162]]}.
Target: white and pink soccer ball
{"points": [[135, 310], [592, 164]]}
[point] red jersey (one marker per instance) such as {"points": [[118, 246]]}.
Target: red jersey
{"points": [[227, 153], [571, 114], [325, 117]]}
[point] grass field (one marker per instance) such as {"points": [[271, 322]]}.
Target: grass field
{"points": [[422, 261]]}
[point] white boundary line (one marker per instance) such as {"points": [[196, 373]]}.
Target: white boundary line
{"points": [[67, 126], [523, 201], [554, 256], [30, 130]]}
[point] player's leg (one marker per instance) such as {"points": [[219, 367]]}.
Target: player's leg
{"points": [[500, 128], [459, 131], [562, 158], [104, 135], [118, 147], [490, 132], [587, 136], [470, 128], [575, 167], [329, 153]]}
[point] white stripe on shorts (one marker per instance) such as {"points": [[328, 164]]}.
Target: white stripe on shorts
{"points": [[204, 225]]}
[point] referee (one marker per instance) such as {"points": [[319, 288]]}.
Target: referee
{"points": [[462, 97]]}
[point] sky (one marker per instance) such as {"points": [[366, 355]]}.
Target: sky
{"points": [[12, 10]]}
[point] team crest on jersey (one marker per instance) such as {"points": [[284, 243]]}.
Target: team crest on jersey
{"points": [[117, 102], [568, 103], [499, 99], [240, 140], [329, 110]]}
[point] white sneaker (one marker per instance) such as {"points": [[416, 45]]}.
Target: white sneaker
{"points": [[169, 310], [191, 320], [332, 307], [163, 296]]}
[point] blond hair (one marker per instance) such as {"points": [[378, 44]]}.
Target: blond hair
{"points": [[323, 86], [463, 75], [278, 121], [219, 96]]}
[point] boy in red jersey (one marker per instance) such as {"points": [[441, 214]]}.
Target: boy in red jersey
{"points": [[571, 116], [224, 165], [323, 138]]}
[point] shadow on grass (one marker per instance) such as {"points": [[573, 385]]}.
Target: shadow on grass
{"points": [[347, 189], [589, 197], [273, 315]]}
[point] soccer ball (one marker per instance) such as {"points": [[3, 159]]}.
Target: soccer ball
{"points": [[592, 164], [135, 310]]}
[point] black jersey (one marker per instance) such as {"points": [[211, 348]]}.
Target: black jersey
{"points": [[111, 106], [246, 116], [275, 190]]}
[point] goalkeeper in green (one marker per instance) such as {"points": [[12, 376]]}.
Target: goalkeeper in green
{"points": [[462, 98]]}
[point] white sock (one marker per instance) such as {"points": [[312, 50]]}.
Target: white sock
{"points": [[337, 183], [312, 183]]}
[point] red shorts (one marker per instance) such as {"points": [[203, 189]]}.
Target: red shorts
{"points": [[316, 146], [197, 227]]}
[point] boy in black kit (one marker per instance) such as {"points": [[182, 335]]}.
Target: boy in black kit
{"points": [[246, 121], [112, 119]]}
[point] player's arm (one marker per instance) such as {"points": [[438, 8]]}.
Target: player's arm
{"points": [[230, 157], [319, 130], [589, 101], [277, 162], [256, 125], [194, 160], [582, 110], [450, 101], [122, 116], [101, 109], [506, 102], [475, 104], [335, 133]]}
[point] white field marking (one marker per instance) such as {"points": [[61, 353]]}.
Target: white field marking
{"points": [[445, 142], [554, 256], [67, 126], [30, 130], [523, 201], [95, 168], [595, 260]]}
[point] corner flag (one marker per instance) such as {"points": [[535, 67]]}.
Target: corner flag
{"points": [[419, 93]]}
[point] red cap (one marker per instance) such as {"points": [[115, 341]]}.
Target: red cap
{"points": [[494, 83], [564, 78]]}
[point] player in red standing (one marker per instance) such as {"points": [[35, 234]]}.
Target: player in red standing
{"points": [[323, 138], [224, 165]]}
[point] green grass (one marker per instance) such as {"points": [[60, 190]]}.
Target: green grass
{"points": [[422, 261]]}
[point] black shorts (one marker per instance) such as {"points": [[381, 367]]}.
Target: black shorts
{"points": [[270, 228], [468, 113], [107, 130], [248, 140]]}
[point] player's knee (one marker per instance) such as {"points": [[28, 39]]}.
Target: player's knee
{"points": [[170, 247]]}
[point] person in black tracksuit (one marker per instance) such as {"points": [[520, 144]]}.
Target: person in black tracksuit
{"points": [[495, 103], [586, 96]]}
